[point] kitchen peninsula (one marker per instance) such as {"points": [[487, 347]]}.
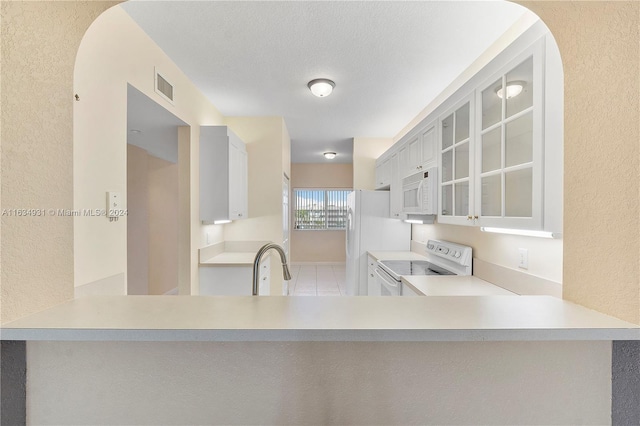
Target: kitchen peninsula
{"points": [[299, 360]]}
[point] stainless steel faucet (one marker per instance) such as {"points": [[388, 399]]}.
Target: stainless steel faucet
{"points": [[256, 264]]}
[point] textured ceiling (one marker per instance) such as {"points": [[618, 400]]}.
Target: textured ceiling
{"points": [[388, 59]]}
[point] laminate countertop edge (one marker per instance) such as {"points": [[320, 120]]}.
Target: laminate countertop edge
{"points": [[282, 318]]}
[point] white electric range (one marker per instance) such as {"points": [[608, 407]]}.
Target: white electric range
{"points": [[443, 258]]}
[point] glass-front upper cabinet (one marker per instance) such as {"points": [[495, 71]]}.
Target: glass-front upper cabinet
{"points": [[456, 159], [510, 146]]}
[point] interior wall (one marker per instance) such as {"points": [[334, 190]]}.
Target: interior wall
{"points": [[137, 220], [268, 146], [365, 153], [39, 42], [163, 226], [545, 255], [599, 43], [319, 246], [106, 61]]}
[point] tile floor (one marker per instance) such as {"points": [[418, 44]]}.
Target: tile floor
{"points": [[317, 280]]}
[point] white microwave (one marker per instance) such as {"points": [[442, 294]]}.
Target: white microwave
{"points": [[420, 192]]}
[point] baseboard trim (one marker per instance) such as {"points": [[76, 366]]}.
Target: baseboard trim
{"points": [[515, 281]]}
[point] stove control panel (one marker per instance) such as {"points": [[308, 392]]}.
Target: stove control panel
{"points": [[462, 255]]}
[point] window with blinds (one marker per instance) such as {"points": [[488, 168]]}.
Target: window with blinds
{"points": [[320, 209]]}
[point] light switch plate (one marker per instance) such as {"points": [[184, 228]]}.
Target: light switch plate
{"points": [[113, 203]]}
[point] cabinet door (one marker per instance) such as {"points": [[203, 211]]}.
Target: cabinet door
{"points": [[428, 145], [235, 181], [372, 288], [456, 165], [405, 161], [238, 188], [415, 154], [510, 137], [395, 196], [383, 173], [243, 190]]}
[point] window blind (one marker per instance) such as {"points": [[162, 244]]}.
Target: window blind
{"points": [[320, 209]]}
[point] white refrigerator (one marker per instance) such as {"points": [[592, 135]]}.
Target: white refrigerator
{"points": [[369, 228]]}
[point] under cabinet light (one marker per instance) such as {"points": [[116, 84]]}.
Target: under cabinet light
{"points": [[523, 232], [419, 222], [221, 222]]}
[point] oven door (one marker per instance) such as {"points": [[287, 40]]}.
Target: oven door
{"points": [[388, 285]]}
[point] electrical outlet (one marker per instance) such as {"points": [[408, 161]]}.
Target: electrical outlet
{"points": [[523, 258]]}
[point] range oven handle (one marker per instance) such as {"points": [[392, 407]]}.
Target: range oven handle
{"points": [[386, 278]]}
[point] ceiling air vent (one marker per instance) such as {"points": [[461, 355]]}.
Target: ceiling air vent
{"points": [[163, 87]]}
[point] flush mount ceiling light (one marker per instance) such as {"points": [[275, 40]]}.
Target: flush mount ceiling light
{"points": [[514, 88], [321, 87], [329, 155]]}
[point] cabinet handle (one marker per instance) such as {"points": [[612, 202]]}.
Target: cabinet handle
{"points": [[371, 275], [469, 217], [476, 217], [264, 278]]}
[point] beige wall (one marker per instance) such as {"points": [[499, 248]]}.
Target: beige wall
{"points": [[268, 147], [107, 60], [39, 45], [365, 152], [152, 231], [319, 246], [137, 220], [599, 43], [163, 226]]}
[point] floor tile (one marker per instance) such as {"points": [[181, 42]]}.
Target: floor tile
{"points": [[321, 280]]}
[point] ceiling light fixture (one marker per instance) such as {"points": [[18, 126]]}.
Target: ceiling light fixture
{"points": [[514, 88], [321, 87], [329, 155]]}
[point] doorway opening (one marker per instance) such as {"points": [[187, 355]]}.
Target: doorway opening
{"points": [[153, 224]]}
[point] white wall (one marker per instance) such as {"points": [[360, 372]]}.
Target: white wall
{"points": [[114, 52], [365, 152], [545, 255]]}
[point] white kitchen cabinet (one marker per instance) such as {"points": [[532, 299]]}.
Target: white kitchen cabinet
{"points": [[456, 164], [373, 289], [234, 280], [395, 195], [223, 175], [491, 151], [418, 152], [509, 185], [383, 173]]}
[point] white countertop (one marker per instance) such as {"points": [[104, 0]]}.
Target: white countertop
{"points": [[230, 259], [330, 318], [396, 255], [453, 285]]}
